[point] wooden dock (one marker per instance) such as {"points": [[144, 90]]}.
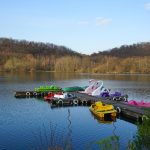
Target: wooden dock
{"points": [[125, 110], [131, 112], [23, 94]]}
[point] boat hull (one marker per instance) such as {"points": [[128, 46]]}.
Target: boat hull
{"points": [[100, 109]]}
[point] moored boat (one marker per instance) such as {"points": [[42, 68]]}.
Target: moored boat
{"points": [[51, 95], [101, 109], [139, 104], [93, 85], [73, 89], [51, 88]]}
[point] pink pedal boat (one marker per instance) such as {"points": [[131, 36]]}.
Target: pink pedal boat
{"points": [[139, 104]]}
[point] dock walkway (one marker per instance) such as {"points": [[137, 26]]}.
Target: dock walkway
{"points": [[132, 112], [126, 110]]}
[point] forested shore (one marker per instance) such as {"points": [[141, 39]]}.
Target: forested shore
{"points": [[23, 55]]}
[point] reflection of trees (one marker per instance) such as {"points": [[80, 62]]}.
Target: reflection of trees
{"points": [[142, 139], [111, 142], [108, 143], [51, 139]]}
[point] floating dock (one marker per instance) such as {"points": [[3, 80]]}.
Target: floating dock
{"points": [[125, 110], [23, 94], [131, 112]]}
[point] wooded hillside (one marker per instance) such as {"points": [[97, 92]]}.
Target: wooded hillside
{"points": [[26, 56], [23, 55], [140, 49]]}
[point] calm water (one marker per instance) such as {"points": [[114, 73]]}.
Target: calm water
{"points": [[27, 124]]}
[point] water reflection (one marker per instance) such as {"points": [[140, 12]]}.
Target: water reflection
{"points": [[111, 142], [51, 138], [22, 120], [30, 76], [69, 135], [141, 140], [106, 120]]}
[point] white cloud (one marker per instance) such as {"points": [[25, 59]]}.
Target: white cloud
{"points": [[103, 21], [83, 22], [147, 6]]}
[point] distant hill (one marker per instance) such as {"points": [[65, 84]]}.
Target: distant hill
{"points": [[8, 46], [22, 55], [140, 49]]}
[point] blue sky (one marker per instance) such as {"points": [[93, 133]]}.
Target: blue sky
{"points": [[85, 26]]}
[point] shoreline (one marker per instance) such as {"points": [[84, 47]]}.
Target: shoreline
{"points": [[82, 73]]}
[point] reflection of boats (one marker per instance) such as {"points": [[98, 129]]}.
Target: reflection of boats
{"points": [[140, 104], [101, 110], [105, 120]]}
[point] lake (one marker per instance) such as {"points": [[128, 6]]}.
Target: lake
{"points": [[30, 123]]}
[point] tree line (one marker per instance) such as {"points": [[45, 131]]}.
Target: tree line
{"points": [[139, 49], [18, 55]]}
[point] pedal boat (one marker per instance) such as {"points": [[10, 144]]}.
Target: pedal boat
{"points": [[139, 104], [51, 95], [73, 89], [51, 88], [100, 109]]}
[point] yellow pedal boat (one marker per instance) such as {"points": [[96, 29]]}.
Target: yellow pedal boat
{"points": [[100, 109]]}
